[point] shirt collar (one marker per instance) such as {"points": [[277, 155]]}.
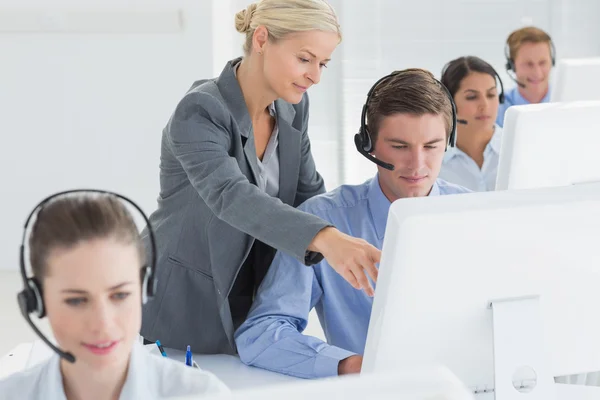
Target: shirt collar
{"points": [[494, 143], [496, 140], [451, 153], [546, 98], [134, 386], [435, 189], [379, 205], [55, 383], [518, 99]]}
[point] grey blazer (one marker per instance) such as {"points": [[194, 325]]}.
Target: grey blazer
{"points": [[210, 210]]}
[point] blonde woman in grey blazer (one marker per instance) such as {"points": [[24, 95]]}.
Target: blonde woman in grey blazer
{"points": [[235, 162]]}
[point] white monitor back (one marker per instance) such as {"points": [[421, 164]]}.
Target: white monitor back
{"points": [[576, 79], [445, 258], [550, 144], [426, 383]]}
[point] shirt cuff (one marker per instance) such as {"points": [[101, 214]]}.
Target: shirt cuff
{"points": [[312, 258], [328, 360]]}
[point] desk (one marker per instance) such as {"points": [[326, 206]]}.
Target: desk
{"points": [[235, 374], [229, 369], [15, 360]]}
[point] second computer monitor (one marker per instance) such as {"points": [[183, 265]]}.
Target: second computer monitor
{"points": [[550, 144], [576, 79]]}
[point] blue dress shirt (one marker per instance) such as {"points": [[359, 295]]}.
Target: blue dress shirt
{"points": [[462, 170], [514, 98], [271, 338]]}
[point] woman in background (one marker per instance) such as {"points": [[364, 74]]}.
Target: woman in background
{"points": [[473, 163]]}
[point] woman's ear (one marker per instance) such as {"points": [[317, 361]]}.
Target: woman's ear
{"points": [[260, 39]]}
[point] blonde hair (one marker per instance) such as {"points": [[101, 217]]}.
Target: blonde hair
{"points": [[282, 17], [529, 34]]}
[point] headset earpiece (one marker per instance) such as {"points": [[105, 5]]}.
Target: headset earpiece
{"points": [[501, 97], [365, 140], [39, 308], [148, 284], [553, 53], [31, 299], [366, 143]]}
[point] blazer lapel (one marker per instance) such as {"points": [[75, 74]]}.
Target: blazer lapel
{"points": [[290, 140], [289, 137], [250, 153], [232, 94]]}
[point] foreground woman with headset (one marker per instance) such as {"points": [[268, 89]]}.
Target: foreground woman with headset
{"points": [[90, 279]]}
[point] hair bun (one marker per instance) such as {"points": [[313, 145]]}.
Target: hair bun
{"points": [[243, 18]]}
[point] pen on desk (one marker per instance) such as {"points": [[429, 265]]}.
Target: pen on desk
{"points": [[188, 357], [162, 351]]}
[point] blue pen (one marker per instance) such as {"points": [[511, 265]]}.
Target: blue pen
{"points": [[162, 351], [188, 357]]}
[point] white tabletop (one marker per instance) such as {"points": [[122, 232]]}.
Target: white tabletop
{"points": [[235, 374], [229, 369], [15, 360]]}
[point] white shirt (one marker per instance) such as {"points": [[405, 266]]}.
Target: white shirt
{"points": [[149, 377], [268, 181], [462, 170]]}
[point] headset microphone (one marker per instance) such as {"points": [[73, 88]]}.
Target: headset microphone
{"points": [[361, 150], [522, 85], [462, 121], [24, 302], [31, 299]]}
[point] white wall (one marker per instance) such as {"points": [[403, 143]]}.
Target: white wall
{"points": [[86, 107]]}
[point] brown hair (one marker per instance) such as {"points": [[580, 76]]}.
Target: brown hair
{"points": [[282, 17], [529, 34], [458, 69], [411, 91], [71, 219]]}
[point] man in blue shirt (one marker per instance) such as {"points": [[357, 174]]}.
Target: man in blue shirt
{"points": [[409, 123], [530, 56]]}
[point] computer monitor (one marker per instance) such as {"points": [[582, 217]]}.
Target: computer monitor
{"points": [[487, 283], [428, 383], [551, 144], [576, 79]]}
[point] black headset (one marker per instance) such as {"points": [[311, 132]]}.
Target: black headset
{"points": [[31, 300], [497, 76], [364, 143], [510, 63]]}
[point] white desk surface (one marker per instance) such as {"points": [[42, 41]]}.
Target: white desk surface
{"points": [[234, 373], [229, 369]]}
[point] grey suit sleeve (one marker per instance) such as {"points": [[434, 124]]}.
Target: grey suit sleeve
{"points": [[200, 141], [310, 182]]}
